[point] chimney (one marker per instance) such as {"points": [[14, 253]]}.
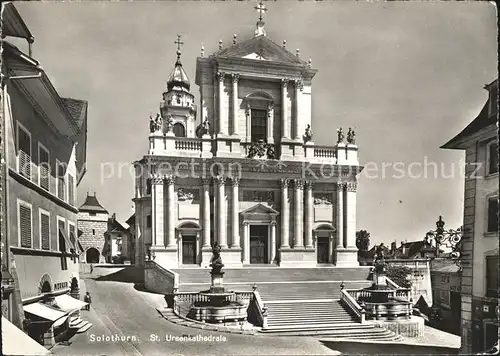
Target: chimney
{"points": [[393, 246]]}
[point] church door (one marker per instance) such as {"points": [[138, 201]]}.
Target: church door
{"points": [[323, 244], [258, 244], [188, 250]]}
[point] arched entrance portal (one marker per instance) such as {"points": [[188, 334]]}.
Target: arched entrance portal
{"points": [[324, 243], [92, 255], [189, 243], [46, 288]]}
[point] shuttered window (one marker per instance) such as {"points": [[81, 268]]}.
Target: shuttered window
{"points": [[72, 235], [71, 193], [61, 187], [24, 146], [25, 228], [44, 171], [493, 158], [62, 244], [45, 230], [493, 214], [492, 276]]}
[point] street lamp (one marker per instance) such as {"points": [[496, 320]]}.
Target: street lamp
{"points": [[440, 237]]}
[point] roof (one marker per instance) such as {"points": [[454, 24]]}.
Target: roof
{"points": [[412, 249], [16, 342], [77, 108], [131, 220], [260, 48], [178, 79], [13, 24], [92, 205], [482, 121]]}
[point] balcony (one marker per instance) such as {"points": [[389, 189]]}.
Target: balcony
{"points": [[289, 150]]}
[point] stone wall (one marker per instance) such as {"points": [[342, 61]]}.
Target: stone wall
{"points": [[158, 279], [93, 229]]}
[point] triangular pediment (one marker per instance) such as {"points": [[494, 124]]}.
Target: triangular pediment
{"points": [[259, 209], [260, 48]]}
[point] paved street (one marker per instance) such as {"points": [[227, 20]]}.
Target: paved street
{"points": [[120, 310]]}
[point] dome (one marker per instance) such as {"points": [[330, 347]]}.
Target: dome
{"points": [[178, 79]]}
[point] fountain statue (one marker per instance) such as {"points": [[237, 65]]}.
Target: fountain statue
{"points": [[217, 304]]}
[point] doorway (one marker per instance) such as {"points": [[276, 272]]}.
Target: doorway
{"points": [[188, 250], [322, 249], [92, 255], [259, 249]]}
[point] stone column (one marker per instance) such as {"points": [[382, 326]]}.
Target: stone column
{"points": [[270, 124], [158, 211], [221, 207], [350, 228], [206, 212], [298, 89], [309, 213], [246, 243], [273, 242], [285, 125], [235, 77], [235, 239], [248, 112], [340, 215], [170, 180], [299, 214], [330, 248], [285, 214], [222, 113]]}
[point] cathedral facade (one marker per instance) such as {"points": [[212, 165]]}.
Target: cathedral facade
{"points": [[247, 175]]}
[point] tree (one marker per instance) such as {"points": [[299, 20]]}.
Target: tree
{"points": [[399, 275], [362, 242]]}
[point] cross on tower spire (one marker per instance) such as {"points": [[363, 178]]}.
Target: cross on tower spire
{"points": [[179, 44], [261, 8]]}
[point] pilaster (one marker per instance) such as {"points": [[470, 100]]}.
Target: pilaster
{"points": [[235, 79], [299, 86], [170, 180], [299, 213], [235, 238], [219, 182], [285, 124], [285, 214], [308, 185], [158, 211], [206, 212]]}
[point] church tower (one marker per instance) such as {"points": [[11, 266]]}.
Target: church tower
{"points": [[177, 109]]}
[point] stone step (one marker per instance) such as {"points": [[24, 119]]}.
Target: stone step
{"points": [[273, 274]]}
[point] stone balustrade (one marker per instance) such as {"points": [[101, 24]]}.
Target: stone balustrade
{"points": [[175, 299], [348, 299], [168, 145]]}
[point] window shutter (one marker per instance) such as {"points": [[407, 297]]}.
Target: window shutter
{"points": [[25, 225], [60, 181], [71, 198], [493, 168], [43, 162], [493, 214], [72, 235], [24, 142], [45, 231]]}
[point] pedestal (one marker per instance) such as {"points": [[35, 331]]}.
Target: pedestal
{"points": [[347, 258]]}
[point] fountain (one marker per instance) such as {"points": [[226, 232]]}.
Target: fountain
{"points": [[217, 304], [381, 301]]}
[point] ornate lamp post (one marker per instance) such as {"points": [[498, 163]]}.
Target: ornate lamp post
{"points": [[441, 237]]}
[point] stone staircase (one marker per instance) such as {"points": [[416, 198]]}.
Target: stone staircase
{"points": [[329, 319], [300, 301], [250, 275]]}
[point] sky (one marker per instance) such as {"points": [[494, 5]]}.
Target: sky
{"points": [[406, 76]]}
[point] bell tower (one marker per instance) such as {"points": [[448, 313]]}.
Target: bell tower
{"points": [[177, 108]]}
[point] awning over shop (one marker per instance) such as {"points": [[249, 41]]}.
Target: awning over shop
{"points": [[68, 303], [15, 342], [43, 311]]}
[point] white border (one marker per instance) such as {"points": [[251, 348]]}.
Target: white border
{"points": [[28, 205], [41, 146], [40, 213]]}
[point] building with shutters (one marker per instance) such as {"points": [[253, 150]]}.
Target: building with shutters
{"points": [[479, 278], [44, 144], [243, 170]]}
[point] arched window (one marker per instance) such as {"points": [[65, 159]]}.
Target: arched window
{"points": [[179, 130], [258, 108]]}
